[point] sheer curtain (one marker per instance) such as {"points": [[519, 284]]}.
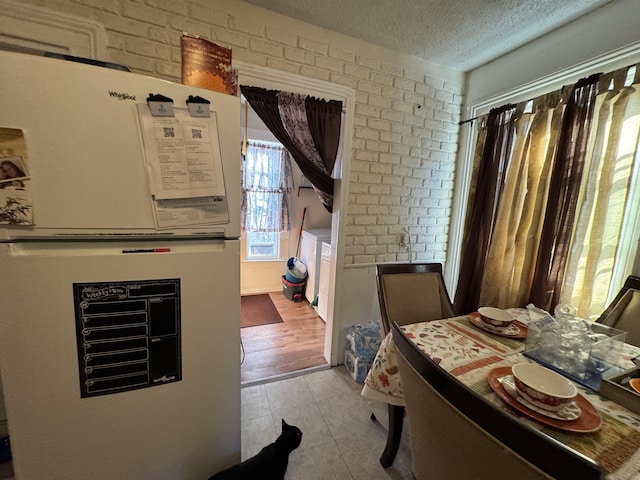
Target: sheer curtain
{"points": [[606, 195], [266, 181], [308, 127], [552, 195]]}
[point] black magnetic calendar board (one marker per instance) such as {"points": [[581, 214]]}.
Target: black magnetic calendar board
{"points": [[128, 335]]}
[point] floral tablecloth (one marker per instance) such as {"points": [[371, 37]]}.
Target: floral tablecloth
{"points": [[469, 353], [451, 343]]}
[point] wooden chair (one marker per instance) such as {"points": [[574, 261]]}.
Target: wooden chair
{"points": [[457, 434], [411, 293], [624, 311], [408, 293]]}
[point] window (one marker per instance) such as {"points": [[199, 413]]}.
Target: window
{"points": [[263, 246], [266, 183]]}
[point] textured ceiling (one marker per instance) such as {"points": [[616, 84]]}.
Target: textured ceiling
{"points": [[460, 34]]}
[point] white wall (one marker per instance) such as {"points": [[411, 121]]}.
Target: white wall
{"points": [[360, 299], [609, 29]]}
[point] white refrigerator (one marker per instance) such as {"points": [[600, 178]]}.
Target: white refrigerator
{"points": [[119, 273]]}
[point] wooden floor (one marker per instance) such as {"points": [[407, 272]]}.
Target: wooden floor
{"points": [[295, 344]]}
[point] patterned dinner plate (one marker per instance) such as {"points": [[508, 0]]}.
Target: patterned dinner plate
{"points": [[588, 421], [571, 411], [516, 329]]}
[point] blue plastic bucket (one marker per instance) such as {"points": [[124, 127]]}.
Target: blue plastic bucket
{"points": [[296, 271]]}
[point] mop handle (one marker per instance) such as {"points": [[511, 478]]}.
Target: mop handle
{"points": [[304, 212]]}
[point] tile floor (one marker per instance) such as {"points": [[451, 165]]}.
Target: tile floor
{"points": [[340, 441]]}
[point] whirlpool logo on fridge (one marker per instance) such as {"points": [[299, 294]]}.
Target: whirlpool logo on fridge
{"points": [[122, 96]]}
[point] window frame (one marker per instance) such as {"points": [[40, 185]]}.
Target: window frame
{"points": [[262, 258]]}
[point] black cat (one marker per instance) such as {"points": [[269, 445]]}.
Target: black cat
{"points": [[270, 463]]}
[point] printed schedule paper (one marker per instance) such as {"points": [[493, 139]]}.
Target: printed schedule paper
{"points": [[184, 168], [182, 155]]}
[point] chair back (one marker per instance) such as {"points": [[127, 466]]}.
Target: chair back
{"points": [[411, 293], [447, 445], [624, 311]]}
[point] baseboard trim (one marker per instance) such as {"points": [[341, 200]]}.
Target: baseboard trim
{"points": [[284, 376]]}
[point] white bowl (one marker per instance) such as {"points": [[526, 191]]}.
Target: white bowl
{"points": [[495, 318], [543, 387]]}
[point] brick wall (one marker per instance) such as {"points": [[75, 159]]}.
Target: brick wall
{"points": [[406, 112]]}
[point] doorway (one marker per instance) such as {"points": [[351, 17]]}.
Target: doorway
{"points": [[296, 342], [272, 79]]}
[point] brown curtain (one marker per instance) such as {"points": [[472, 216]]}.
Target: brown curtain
{"points": [[309, 128], [324, 125], [496, 150], [564, 189]]}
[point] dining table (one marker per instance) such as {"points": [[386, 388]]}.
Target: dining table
{"points": [[473, 355]]}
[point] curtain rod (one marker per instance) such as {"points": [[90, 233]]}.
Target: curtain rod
{"points": [[469, 120], [588, 78]]}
